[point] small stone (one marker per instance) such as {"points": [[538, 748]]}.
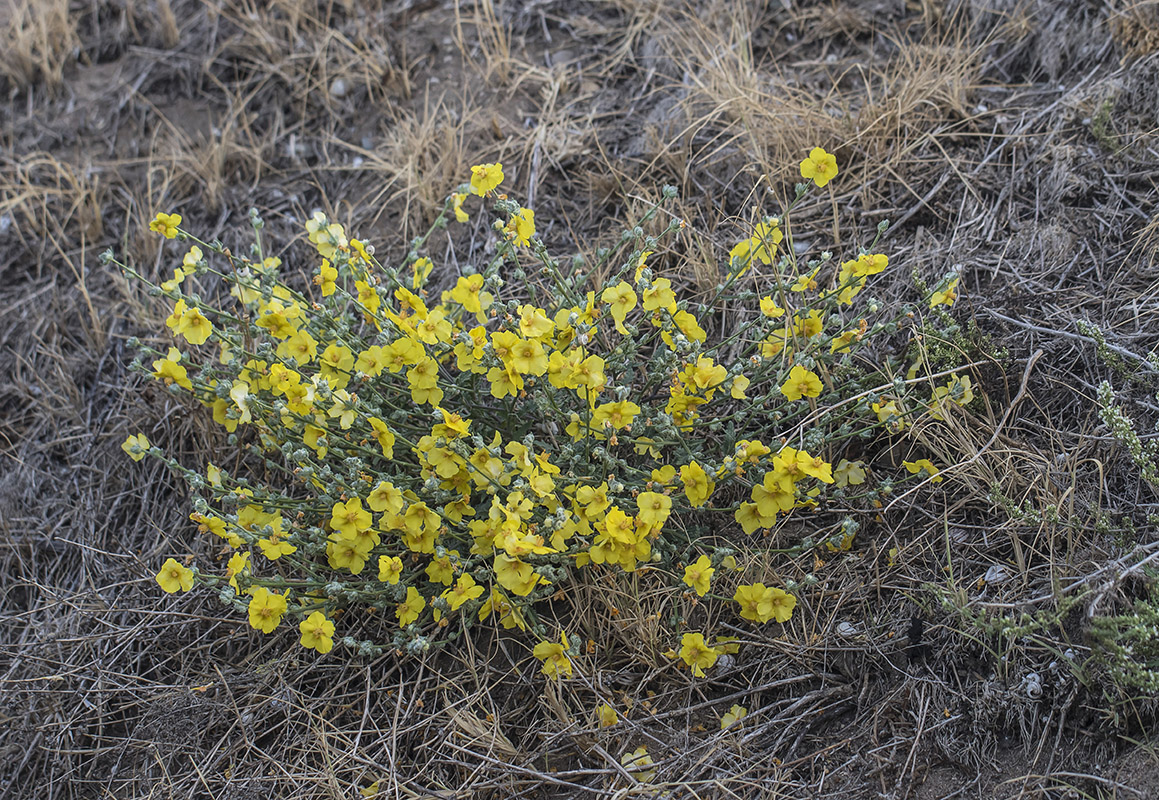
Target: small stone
{"points": [[996, 574]]}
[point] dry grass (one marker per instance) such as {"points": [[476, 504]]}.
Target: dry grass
{"points": [[38, 39], [975, 127]]}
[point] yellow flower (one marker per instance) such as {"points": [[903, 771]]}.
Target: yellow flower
{"points": [[732, 716], [504, 382], [959, 390], [809, 326], [522, 227], [359, 247], [774, 494], [343, 409], [741, 252], [349, 554], [266, 609], [174, 576], [704, 375], [368, 297], [688, 325], [660, 295], [638, 763], [806, 281], [317, 633], [389, 569], [641, 262], [947, 295], [194, 326], [422, 269], [336, 364], [534, 322], [618, 415], [465, 589], [750, 518], [697, 485], [760, 603], [514, 575], [137, 446], [408, 610], [435, 328], [326, 278], [442, 569], [654, 509], [192, 258], [770, 308], [820, 167], [845, 341], [468, 293], [424, 374], [350, 519], [178, 276], [697, 654], [528, 357], [698, 575], [216, 526], [739, 384], [485, 178], [274, 546], [385, 497], [606, 716], [238, 563], [869, 264], [793, 465], [849, 282], [554, 657], [328, 238], [891, 414], [165, 224], [762, 246], [923, 464], [766, 236], [170, 371], [622, 300], [371, 361], [457, 205], [508, 615], [383, 436], [300, 346], [849, 473], [801, 383]]}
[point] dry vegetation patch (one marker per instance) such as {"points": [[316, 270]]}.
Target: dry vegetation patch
{"points": [[952, 652]]}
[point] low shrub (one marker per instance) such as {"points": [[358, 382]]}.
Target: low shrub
{"points": [[459, 456]]}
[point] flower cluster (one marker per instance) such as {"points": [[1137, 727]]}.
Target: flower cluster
{"points": [[456, 456]]}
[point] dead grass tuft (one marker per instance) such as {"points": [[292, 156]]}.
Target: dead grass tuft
{"points": [[38, 41], [1135, 27]]}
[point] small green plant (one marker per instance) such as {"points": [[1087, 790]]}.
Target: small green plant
{"points": [[1103, 125], [1128, 644], [1145, 455]]}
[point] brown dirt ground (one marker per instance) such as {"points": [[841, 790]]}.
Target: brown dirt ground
{"points": [[1013, 139]]}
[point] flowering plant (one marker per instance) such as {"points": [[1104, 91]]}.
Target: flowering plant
{"points": [[458, 456]]}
